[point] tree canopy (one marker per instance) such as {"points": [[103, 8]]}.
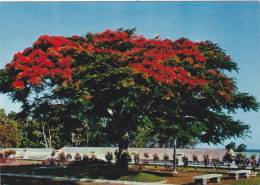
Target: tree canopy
{"points": [[120, 81]]}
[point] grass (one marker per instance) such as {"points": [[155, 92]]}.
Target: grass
{"points": [[100, 171], [104, 171], [250, 181], [30, 181]]}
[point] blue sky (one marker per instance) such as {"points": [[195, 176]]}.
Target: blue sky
{"points": [[235, 26]]}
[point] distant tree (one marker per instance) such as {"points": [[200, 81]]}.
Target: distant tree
{"points": [[241, 148], [232, 145], [9, 133]]}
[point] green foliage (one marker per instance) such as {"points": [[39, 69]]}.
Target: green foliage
{"points": [[240, 148], [9, 133], [107, 102]]}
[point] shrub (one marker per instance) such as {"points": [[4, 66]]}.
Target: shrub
{"points": [[241, 160], [155, 157], [185, 160], [165, 157], [228, 158], [85, 158], [146, 155], [136, 158], [253, 161], [13, 152], [77, 157], [62, 157], [117, 154], [7, 153], [195, 158], [68, 157], [93, 158], [109, 157], [206, 160], [52, 153]]}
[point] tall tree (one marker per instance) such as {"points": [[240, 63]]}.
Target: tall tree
{"points": [[118, 79]]}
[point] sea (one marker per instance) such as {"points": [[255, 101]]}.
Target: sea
{"points": [[250, 152]]}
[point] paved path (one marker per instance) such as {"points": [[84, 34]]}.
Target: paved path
{"points": [[73, 179]]}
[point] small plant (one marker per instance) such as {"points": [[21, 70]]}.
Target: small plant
{"points": [[62, 157], [165, 157], [185, 161], [146, 156], [136, 158], [7, 153], [93, 158], [241, 160], [215, 161], [195, 158], [52, 153], [206, 160], [253, 164], [117, 154], [13, 152], [68, 157], [85, 158], [77, 157], [155, 157], [228, 158], [109, 157]]}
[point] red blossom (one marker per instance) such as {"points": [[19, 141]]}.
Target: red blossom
{"points": [[50, 57], [17, 84]]}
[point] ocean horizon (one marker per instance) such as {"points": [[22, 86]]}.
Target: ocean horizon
{"points": [[250, 152]]}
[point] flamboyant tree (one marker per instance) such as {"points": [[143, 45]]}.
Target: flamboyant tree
{"points": [[118, 79]]}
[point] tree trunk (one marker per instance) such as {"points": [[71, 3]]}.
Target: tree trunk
{"points": [[50, 139], [44, 136], [174, 156], [123, 155]]}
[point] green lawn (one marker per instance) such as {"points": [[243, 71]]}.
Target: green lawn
{"points": [[250, 181], [86, 171], [103, 171]]}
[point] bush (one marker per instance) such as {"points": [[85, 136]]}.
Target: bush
{"points": [[206, 160], [117, 154], [165, 157], [195, 158], [93, 158], [185, 161], [68, 157], [228, 158], [241, 160], [77, 157], [109, 157], [146, 156], [7, 153], [136, 158], [155, 157], [253, 161], [62, 157], [122, 159], [85, 158], [13, 152], [52, 153]]}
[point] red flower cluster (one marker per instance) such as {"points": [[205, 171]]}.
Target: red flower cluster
{"points": [[33, 65], [154, 58], [148, 56]]}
